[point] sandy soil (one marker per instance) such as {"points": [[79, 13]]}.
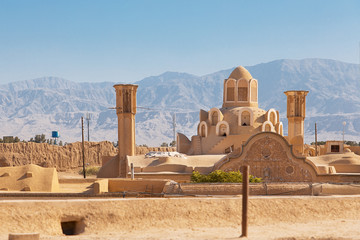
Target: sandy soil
{"points": [[338, 229]]}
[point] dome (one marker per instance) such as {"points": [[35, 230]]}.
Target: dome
{"points": [[240, 72]]}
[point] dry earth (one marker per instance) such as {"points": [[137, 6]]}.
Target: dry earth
{"points": [[300, 217]]}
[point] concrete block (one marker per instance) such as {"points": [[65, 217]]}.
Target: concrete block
{"points": [[101, 186]]}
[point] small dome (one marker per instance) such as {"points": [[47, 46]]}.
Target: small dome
{"points": [[240, 72]]}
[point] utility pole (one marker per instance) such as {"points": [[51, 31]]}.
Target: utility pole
{"points": [[316, 150], [174, 126], [245, 200], [83, 145], [88, 125]]}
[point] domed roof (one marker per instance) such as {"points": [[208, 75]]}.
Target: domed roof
{"points": [[240, 72]]}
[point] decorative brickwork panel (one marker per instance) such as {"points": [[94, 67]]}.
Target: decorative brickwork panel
{"points": [[270, 157]]}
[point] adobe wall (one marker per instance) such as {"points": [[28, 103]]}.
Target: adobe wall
{"points": [[102, 216], [46, 155], [128, 185], [62, 158], [29, 178], [355, 149]]}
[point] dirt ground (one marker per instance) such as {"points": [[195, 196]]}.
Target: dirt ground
{"points": [[290, 217], [324, 230]]}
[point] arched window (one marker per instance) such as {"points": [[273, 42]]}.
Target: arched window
{"points": [[245, 118], [214, 118], [230, 90], [222, 129], [271, 116], [279, 128], [202, 130], [243, 90], [267, 127], [254, 90]]}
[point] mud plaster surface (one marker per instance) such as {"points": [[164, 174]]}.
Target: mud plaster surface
{"points": [[304, 217]]}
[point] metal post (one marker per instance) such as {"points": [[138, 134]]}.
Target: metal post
{"points": [[132, 171], [83, 145], [245, 201]]}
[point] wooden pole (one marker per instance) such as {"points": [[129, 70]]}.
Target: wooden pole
{"points": [[245, 201], [83, 145]]}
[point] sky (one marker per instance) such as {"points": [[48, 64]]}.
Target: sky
{"points": [[126, 41]]}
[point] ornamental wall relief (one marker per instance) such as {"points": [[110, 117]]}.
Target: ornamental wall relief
{"points": [[269, 157]]}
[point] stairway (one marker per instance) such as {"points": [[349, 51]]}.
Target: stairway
{"points": [[196, 140], [217, 144]]}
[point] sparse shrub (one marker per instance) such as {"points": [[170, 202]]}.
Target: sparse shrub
{"points": [[90, 170], [221, 176], [164, 144]]}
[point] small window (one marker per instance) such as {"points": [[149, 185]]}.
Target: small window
{"points": [[242, 94], [230, 94], [203, 130], [214, 118], [230, 90], [335, 148], [223, 130], [245, 118]]}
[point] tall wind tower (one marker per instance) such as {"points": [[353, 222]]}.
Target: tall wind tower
{"points": [[296, 107], [125, 110]]}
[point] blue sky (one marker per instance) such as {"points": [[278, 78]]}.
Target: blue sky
{"points": [[125, 41]]}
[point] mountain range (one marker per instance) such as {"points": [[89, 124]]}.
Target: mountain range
{"points": [[47, 104]]}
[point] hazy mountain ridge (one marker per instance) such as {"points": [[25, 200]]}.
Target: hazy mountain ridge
{"points": [[45, 104]]}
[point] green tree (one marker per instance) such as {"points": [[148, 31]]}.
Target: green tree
{"points": [[16, 139], [40, 138], [319, 143], [60, 143], [351, 143], [37, 138], [164, 144], [173, 144]]}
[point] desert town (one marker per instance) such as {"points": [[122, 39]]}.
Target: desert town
{"points": [[303, 190]]}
